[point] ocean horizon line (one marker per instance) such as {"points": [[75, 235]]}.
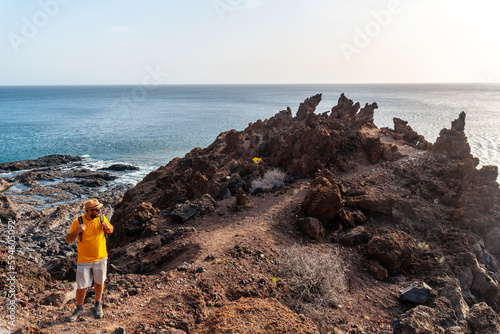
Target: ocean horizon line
{"points": [[253, 84]]}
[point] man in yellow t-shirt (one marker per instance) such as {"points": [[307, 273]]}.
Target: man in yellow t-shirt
{"points": [[92, 255]]}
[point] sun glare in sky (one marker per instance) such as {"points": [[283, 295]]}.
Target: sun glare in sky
{"points": [[52, 42]]}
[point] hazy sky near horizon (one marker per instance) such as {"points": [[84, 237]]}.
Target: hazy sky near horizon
{"points": [[59, 42]]}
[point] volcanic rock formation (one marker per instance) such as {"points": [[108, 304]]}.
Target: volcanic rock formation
{"points": [[424, 208]]}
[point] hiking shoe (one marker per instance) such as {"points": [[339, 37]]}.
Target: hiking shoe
{"points": [[98, 311], [77, 313]]}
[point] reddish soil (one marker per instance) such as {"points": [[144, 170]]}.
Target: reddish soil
{"points": [[231, 255]]}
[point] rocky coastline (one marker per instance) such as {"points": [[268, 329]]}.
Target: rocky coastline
{"points": [[43, 195], [416, 224]]}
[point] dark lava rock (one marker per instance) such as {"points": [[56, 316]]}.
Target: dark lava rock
{"points": [[62, 269], [120, 168], [46, 161], [393, 250], [418, 293], [311, 227], [92, 183]]}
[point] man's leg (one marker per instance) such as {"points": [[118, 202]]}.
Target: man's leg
{"points": [[99, 275], [80, 296], [83, 280], [98, 304], [98, 288], [99, 271]]}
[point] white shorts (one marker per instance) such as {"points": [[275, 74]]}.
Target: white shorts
{"points": [[85, 272]]}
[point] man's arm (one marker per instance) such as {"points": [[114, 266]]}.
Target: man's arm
{"points": [[107, 226], [70, 237]]}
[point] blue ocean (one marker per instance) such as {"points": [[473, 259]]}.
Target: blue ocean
{"points": [[147, 126]]}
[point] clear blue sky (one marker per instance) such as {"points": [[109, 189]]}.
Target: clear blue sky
{"points": [[51, 42]]}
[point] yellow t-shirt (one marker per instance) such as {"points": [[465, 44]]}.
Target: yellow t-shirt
{"points": [[92, 248]]}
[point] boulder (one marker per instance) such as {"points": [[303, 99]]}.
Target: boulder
{"points": [[449, 288], [62, 269], [142, 216], [356, 236], [311, 227], [60, 298], [201, 184], [323, 200], [421, 319], [437, 319], [84, 173], [372, 201], [348, 218], [393, 250], [235, 183], [375, 149], [418, 293], [483, 320], [376, 269], [182, 212], [205, 204], [242, 200], [481, 282], [92, 183]]}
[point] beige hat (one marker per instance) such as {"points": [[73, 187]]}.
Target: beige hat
{"points": [[92, 204]]}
